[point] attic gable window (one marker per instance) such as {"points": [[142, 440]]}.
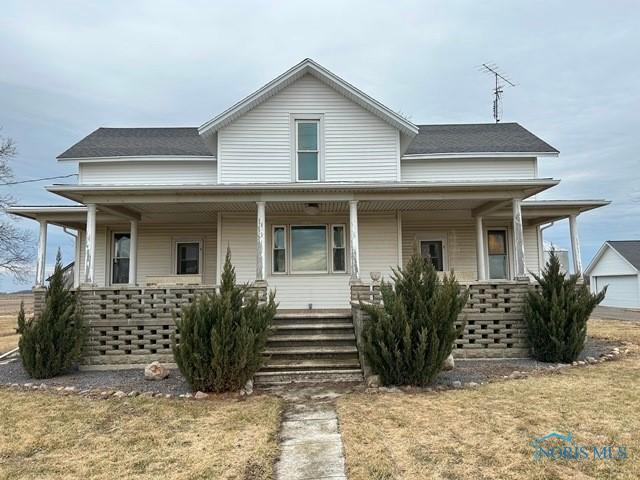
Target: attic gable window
{"points": [[307, 150]]}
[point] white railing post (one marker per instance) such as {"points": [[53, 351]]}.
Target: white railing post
{"points": [[261, 262], [133, 253], [42, 254], [355, 245], [575, 244], [90, 246], [518, 241], [482, 275]]}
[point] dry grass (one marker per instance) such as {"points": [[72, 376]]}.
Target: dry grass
{"points": [[44, 435], [9, 306], [485, 433]]}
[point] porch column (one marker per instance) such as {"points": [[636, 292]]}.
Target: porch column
{"points": [[76, 261], [133, 253], [518, 241], [42, 254], [480, 249], [575, 244], [90, 245], [261, 257], [355, 245]]}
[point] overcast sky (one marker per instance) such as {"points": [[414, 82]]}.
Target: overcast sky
{"points": [[67, 68]]}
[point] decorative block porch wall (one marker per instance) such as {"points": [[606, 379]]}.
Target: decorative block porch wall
{"points": [[131, 326], [495, 324]]}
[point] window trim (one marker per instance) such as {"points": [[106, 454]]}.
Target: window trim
{"points": [[112, 255], [200, 243], [326, 244], [507, 239], [332, 247], [435, 237], [308, 117], [273, 249]]}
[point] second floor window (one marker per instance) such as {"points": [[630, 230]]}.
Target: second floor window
{"points": [[307, 151]]}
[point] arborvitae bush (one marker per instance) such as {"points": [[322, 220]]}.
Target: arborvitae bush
{"points": [[223, 335], [557, 314], [51, 343], [409, 337]]}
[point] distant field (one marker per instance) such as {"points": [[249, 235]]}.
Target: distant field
{"points": [[9, 306]]}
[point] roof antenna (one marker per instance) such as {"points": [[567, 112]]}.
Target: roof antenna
{"points": [[492, 69]]}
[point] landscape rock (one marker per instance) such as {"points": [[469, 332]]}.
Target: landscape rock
{"points": [[147, 394], [119, 394], [200, 395], [448, 363], [591, 360], [472, 385], [156, 371], [247, 389], [133, 393], [456, 384], [373, 381], [581, 362]]}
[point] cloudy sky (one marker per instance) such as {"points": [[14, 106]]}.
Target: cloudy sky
{"points": [[68, 68]]}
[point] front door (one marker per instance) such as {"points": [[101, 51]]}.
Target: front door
{"points": [[497, 250]]}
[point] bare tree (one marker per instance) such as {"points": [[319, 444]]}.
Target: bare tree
{"points": [[16, 244]]}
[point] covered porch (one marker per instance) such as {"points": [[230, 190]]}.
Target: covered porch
{"points": [[310, 243]]}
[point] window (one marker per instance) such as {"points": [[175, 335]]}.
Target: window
{"points": [[307, 150], [432, 250], [309, 248], [279, 250], [120, 266], [339, 249], [187, 258], [497, 250]]}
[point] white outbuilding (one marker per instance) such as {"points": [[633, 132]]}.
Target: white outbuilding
{"points": [[617, 264]]}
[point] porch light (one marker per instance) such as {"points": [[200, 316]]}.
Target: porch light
{"points": [[312, 208]]}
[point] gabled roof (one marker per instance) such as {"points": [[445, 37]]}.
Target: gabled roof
{"points": [[134, 142], [477, 138], [629, 250], [308, 66]]}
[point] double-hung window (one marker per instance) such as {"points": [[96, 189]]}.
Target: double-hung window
{"points": [[120, 266], [433, 251], [339, 249], [187, 258], [307, 150], [279, 249]]}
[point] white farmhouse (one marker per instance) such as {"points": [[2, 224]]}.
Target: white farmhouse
{"points": [[318, 190], [617, 266]]}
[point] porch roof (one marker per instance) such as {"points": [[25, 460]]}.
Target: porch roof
{"points": [[537, 212], [309, 192]]}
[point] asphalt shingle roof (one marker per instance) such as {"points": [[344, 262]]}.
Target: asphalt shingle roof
{"points": [[477, 138], [629, 249], [432, 139], [124, 142]]}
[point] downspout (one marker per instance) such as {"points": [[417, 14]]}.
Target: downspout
{"points": [[541, 228]]}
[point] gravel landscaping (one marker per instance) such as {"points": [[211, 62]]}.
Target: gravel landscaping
{"points": [[124, 380], [465, 371]]}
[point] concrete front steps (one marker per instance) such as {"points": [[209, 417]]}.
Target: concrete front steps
{"points": [[310, 347]]}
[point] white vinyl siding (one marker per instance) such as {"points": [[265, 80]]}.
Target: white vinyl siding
{"points": [[258, 147], [165, 172], [611, 263], [378, 245], [461, 241], [468, 168], [156, 250]]}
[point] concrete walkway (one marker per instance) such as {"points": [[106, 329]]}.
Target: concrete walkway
{"points": [[310, 442]]}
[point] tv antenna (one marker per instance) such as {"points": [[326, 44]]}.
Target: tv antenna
{"points": [[492, 69]]}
